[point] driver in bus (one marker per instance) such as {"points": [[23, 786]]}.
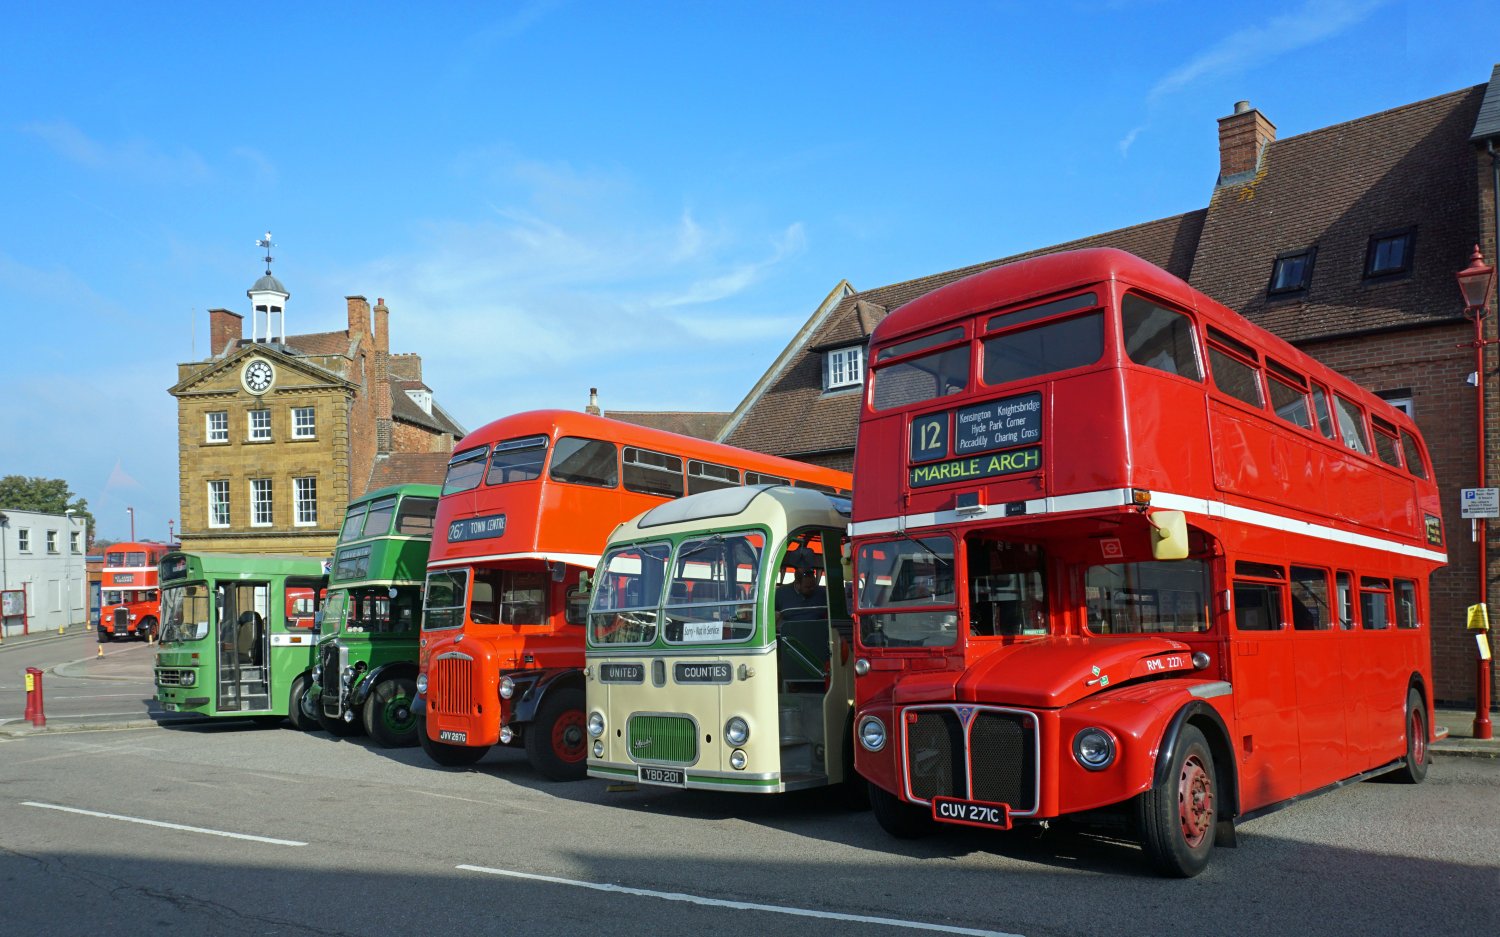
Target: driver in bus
{"points": [[802, 599]]}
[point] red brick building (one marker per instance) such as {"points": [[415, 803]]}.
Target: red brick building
{"points": [[1344, 241]]}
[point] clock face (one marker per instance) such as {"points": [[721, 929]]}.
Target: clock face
{"points": [[258, 375]]}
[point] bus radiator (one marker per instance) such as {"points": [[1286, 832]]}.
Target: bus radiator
{"points": [[451, 685], [995, 760]]}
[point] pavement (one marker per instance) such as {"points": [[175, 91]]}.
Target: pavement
{"points": [[132, 661]]}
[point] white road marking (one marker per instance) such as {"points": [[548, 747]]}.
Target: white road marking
{"points": [[508, 804], [167, 826], [742, 905]]}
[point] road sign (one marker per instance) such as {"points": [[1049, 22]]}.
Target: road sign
{"points": [[1480, 502]]}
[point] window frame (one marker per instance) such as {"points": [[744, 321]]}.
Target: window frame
{"points": [[218, 497], [257, 503], [216, 431], [1407, 235], [51, 540], [300, 485], [1231, 350], [311, 426], [1304, 282], [843, 368], [251, 428]]}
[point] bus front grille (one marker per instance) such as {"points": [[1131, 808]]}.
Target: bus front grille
{"points": [[662, 739], [995, 759], [328, 659], [172, 678], [122, 616], [450, 686]]}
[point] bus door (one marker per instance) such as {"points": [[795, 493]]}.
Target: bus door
{"points": [[1317, 649], [813, 629], [243, 646], [1265, 687]]}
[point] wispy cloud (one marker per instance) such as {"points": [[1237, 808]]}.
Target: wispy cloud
{"points": [[1257, 44], [136, 157]]}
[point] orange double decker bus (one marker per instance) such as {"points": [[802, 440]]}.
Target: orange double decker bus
{"points": [[528, 504], [130, 601], [1134, 560]]}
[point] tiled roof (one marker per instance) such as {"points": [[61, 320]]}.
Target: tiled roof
{"points": [[320, 343], [1332, 189], [405, 409], [404, 468], [826, 422], [684, 423]]}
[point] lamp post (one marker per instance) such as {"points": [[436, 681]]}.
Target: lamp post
{"points": [[131, 512], [1475, 282]]}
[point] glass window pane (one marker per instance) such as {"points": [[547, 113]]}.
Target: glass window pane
{"points": [[1159, 338], [517, 460], [928, 377], [1351, 421], [465, 470], [627, 592], [1045, 349], [585, 462], [1310, 609], [1234, 377], [415, 518], [1290, 403], [1413, 453]]}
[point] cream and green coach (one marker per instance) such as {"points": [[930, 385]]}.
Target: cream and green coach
{"points": [[694, 677]]}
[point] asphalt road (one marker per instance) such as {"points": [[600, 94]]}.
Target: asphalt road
{"points": [[236, 830], [122, 694]]}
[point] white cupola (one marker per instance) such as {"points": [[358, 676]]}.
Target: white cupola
{"points": [[268, 298]]}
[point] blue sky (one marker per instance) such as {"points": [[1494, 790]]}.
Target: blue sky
{"points": [[648, 198]]}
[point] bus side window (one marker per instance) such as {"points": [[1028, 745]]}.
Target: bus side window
{"points": [[1406, 604], [1258, 606], [1346, 599], [1375, 603], [1310, 611]]}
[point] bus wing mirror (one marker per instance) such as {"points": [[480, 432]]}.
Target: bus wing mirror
{"points": [[1169, 536]]}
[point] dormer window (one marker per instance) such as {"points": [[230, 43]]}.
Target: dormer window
{"points": [[1390, 254], [1291, 273], [843, 367]]}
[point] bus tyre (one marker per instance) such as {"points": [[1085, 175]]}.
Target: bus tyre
{"points": [[556, 741], [899, 818], [146, 628], [449, 756], [298, 712], [1417, 755], [336, 726], [1178, 815], [389, 719]]}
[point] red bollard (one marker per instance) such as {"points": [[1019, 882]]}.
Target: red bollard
{"points": [[34, 704]]}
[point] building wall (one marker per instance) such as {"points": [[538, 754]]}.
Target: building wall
{"points": [[56, 584], [408, 438], [280, 459]]}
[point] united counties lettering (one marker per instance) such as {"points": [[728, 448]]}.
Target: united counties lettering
{"points": [[988, 466]]}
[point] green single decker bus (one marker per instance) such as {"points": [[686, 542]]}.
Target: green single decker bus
{"points": [[237, 633], [718, 645], [366, 671]]}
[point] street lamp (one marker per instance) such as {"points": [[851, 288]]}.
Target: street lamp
{"points": [[131, 512], [1475, 282]]}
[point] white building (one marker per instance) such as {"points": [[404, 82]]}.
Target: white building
{"points": [[43, 580]]}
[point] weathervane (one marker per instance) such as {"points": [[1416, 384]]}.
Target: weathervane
{"points": [[266, 243]]}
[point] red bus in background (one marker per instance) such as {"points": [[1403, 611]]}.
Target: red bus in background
{"points": [[129, 600], [528, 503], [1122, 555]]}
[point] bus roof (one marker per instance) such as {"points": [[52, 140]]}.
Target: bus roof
{"points": [[412, 489], [270, 563]]}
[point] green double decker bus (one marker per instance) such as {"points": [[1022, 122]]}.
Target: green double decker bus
{"points": [[366, 667], [237, 633]]}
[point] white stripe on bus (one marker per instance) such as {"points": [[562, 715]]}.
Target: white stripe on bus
{"points": [[587, 560], [165, 826], [741, 905], [127, 569], [1119, 497]]}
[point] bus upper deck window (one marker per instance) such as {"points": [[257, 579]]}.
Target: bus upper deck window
{"points": [[585, 462], [1351, 420], [1055, 345], [1413, 453], [517, 460], [465, 470], [1159, 338], [1235, 368], [916, 379]]}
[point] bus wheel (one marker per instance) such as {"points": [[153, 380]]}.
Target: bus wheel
{"points": [[389, 719], [1417, 756], [336, 726], [449, 756], [899, 818], [1177, 816], [556, 741], [301, 716], [145, 629]]}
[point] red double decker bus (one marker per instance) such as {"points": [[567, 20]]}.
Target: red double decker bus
{"points": [[1134, 559], [528, 504], [129, 599]]}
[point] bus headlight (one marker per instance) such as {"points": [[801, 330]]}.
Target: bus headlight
{"points": [[872, 733], [596, 723], [736, 732], [507, 688], [738, 759], [1094, 748], [317, 674], [347, 677], [187, 678], [861, 667], [598, 748], [421, 683]]}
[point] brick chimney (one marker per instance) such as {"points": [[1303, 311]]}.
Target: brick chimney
{"points": [[1243, 137], [224, 327], [359, 315], [382, 383], [593, 406]]}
